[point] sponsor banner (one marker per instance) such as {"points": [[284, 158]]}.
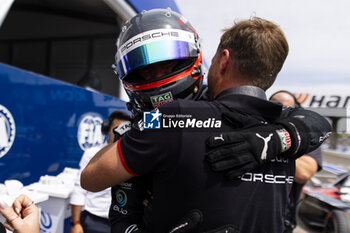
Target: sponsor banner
{"points": [[332, 101], [318, 96]]}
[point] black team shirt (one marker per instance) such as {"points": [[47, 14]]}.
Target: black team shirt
{"points": [[182, 180]]}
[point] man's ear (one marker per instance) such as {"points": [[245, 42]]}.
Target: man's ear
{"points": [[224, 60]]}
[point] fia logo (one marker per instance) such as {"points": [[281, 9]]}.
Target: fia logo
{"points": [[151, 120], [7, 130], [89, 131]]}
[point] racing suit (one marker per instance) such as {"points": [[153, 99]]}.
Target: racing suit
{"points": [[124, 214]]}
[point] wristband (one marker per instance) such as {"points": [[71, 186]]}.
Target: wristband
{"points": [[75, 222], [286, 141], [121, 129], [297, 130]]}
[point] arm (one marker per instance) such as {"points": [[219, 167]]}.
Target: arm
{"points": [[305, 168], [308, 130], [126, 209], [104, 170], [75, 218], [307, 165], [298, 132], [136, 153], [77, 198]]}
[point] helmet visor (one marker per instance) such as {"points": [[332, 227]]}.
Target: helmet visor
{"points": [[154, 46]]}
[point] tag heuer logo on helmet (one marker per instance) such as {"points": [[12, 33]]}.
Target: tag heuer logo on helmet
{"points": [[158, 100]]}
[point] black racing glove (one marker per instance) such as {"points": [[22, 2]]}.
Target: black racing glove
{"points": [[224, 229], [246, 148], [189, 223], [192, 221], [308, 130]]}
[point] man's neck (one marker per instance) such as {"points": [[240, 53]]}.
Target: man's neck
{"points": [[243, 90], [229, 82]]}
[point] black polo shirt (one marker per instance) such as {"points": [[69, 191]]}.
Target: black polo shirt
{"points": [[182, 179]]}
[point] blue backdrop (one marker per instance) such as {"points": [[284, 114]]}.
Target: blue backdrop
{"points": [[45, 124]]}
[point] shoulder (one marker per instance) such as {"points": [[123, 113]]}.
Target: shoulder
{"points": [[183, 105], [90, 152]]}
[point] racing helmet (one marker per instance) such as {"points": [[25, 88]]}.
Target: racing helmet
{"points": [[158, 38]]}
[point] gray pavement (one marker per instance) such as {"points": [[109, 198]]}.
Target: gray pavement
{"points": [[300, 230]]}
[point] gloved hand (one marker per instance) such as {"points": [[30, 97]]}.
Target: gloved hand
{"points": [[121, 129], [129, 228], [245, 149], [308, 130], [224, 229], [189, 223], [192, 221]]}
